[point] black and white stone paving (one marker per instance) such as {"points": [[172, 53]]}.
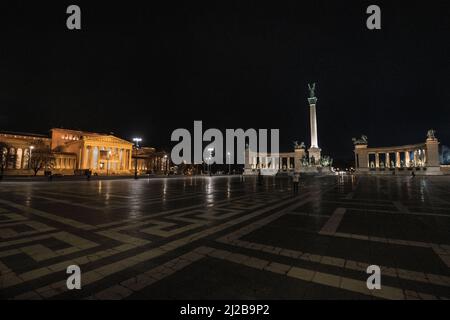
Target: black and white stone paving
{"points": [[226, 238]]}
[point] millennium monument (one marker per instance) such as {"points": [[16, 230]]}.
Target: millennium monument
{"points": [[314, 150], [299, 160]]}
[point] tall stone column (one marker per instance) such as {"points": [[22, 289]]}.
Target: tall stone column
{"points": [[314, 150], [388, 161], [397, 159], [377, 160]]}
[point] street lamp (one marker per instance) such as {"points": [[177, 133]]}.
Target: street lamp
{"points": [[136, 143], [165, 166], [229, 162], [209, 159]]}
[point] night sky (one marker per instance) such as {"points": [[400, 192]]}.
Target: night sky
{"points": [[145, 71]]}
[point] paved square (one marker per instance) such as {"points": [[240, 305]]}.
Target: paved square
{"points": [[226, 238]]}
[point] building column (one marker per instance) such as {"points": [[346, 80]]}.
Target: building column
{"points": [[98, 158], [407, 158], [83, 159], [377, 160], [121, 166], [130, 151], [388, 161], [124, 160], [397, 159], [25, 165], [79, 159], [22, 159], [91, 165], [89, 157]]}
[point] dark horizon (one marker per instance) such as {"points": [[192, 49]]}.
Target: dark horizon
{"points": [[145, 71]]}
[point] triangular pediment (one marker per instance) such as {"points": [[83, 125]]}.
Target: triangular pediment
{"points": [[106, 139]]}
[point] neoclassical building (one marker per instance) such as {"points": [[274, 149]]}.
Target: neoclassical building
{"points": [[149, 160], [422, 158], [73, 151], [16, 149], [100, 153]]}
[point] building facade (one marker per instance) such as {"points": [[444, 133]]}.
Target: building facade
{"points": [[150, 161], [16, 150], [72, 152], [422, 158], [100, 153]]}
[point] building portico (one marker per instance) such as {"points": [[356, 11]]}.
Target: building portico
{"points": [[72, 152], [103, 154]]}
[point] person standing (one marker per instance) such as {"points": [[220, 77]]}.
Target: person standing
{"points": [[260, 178], [295, 182]]}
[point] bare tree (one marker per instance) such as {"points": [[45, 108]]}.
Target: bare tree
{"points": [[3, 158], [41, 158]]}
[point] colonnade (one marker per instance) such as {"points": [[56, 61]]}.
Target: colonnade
{"points": [[18, 157], [105, 158], [397, 159], [422, 155], [262, 162]]}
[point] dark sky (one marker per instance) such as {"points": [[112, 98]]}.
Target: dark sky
{"points": [[147, 70]]}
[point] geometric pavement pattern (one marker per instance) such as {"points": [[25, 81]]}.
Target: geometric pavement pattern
{"points": [[226, 238]]}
